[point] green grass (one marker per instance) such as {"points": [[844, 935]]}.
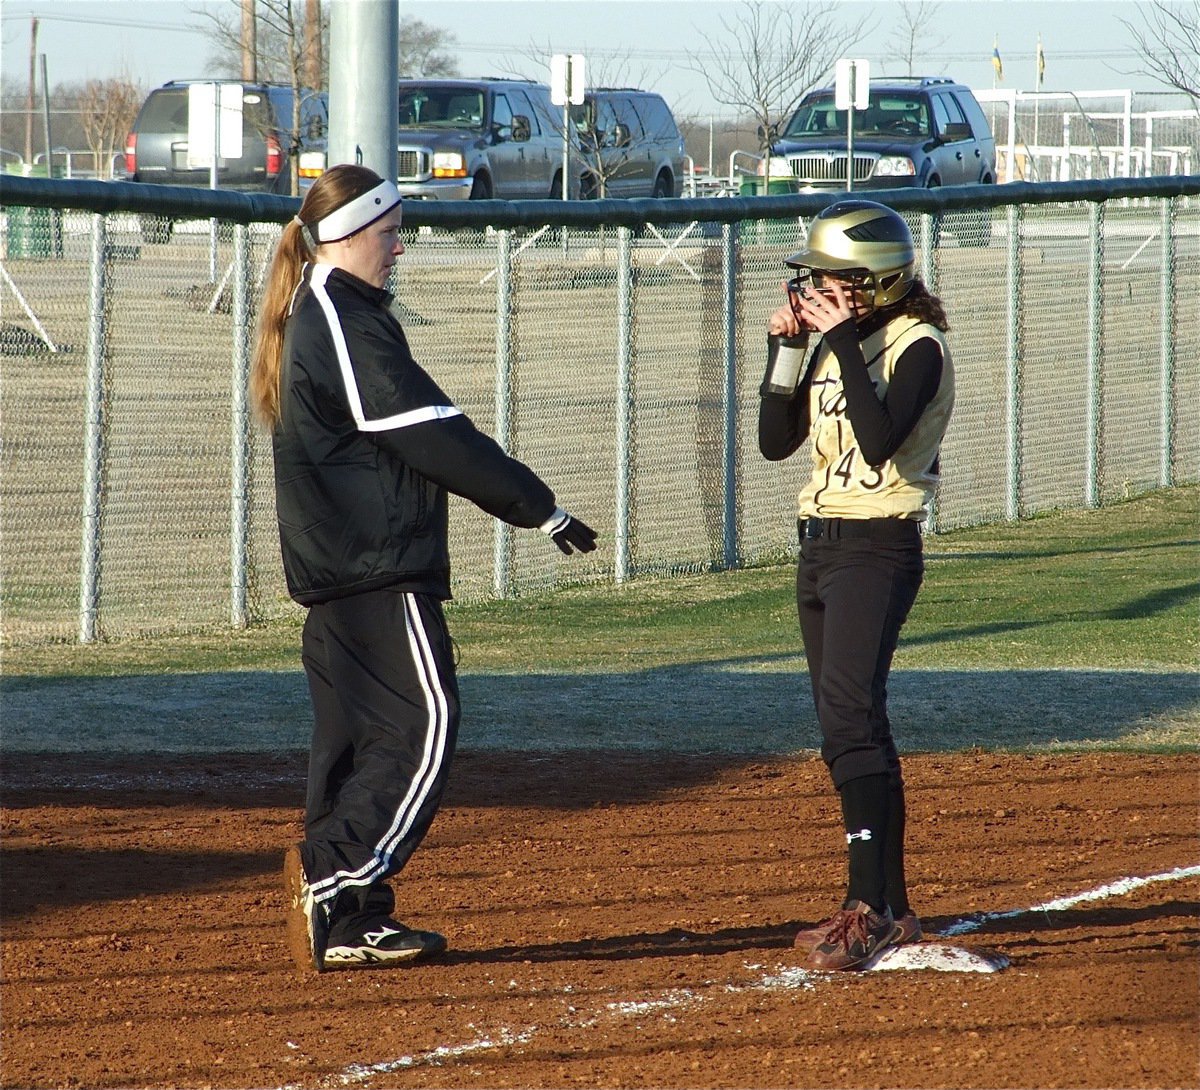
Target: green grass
{"points": [[1072, 631], [1115, 588]]}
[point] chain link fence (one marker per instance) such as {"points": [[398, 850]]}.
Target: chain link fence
{"points": [[616, 347]]}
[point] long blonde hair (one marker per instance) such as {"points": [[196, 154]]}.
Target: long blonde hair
{"points": [[337, 186]]}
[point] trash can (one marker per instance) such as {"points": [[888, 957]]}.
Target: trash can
{"points": [[34, 232], [753, 186], [775, 232]]}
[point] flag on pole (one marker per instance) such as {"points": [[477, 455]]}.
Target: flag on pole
{"points": [[1041, 64], [997, 64]]}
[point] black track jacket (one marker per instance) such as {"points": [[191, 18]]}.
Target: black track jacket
{"points": [[367, 447]]}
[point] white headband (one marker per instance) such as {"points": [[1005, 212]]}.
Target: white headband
{"points": [[356, 214]]}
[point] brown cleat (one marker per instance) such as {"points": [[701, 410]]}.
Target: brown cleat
{"points": [[908, 929], [307, 930], [856, 934]]}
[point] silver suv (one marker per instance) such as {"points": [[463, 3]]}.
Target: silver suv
{"points": [[475, 139], [630, 144], [156, 150]]}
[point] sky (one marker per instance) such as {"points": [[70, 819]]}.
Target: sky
{"points": [[651, 43]]}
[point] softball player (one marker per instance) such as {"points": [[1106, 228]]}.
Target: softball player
{"points": [[366, 448], [875, 399]]}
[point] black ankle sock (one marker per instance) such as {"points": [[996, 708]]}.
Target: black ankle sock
{"points": [[895, 888], [865, 815]]}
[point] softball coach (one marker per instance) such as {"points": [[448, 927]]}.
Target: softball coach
{"points": [[366, 448]]}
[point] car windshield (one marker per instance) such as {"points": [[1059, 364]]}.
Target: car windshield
{"points": [[441, 108], [888, 114], [166, 111]]}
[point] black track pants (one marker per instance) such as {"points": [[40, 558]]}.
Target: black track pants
{"points": [[853, 595], [385, 702]]}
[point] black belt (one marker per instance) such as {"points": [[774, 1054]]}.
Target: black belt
{"points": [[898, 529]]}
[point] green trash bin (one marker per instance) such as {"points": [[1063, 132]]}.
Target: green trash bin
{"points": [[775, 232], [34, 232], [753, 186]]}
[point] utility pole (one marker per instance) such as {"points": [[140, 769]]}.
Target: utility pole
{"points": [[29, 97], [249, 43], [314, 62]]}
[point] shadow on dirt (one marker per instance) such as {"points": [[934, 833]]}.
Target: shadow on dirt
{"points": [[675, 943]]}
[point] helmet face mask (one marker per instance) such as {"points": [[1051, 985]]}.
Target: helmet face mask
{"points": [[865, 244], [857, 284]]}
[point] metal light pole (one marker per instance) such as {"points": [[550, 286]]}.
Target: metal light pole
{"points": [[364, 102]]}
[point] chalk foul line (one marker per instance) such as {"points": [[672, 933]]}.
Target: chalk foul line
{"points": [[1100, 893], [925, 955]]}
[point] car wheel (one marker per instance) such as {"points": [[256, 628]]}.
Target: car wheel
{"points": [[662, 187], [938, 221], [481, 188]]}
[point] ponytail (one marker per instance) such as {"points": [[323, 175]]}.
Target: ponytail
{"points": [[336, 187], [284, 275]]}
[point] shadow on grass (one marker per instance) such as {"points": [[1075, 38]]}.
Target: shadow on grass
{"points": [[741, 706]]}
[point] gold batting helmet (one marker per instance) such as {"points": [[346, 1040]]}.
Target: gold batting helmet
{"points": [[864, 242]]}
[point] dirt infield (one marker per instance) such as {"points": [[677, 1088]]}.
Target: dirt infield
{"points": [[616, 920]]}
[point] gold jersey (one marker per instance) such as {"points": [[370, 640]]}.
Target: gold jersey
{"points": [[843, 485]]}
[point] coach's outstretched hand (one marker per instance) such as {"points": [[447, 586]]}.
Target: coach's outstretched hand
{"points": [[568, 533]]}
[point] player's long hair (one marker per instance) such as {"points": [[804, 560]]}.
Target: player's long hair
{"points": [[918, 302], [336, 187]]}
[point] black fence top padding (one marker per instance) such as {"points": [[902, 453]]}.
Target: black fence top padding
{"points": [[182, 202]]}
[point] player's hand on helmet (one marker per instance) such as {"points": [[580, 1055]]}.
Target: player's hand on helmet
{"points": [[570, 534], [823, 309]]}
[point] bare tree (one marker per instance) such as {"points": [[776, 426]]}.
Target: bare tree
{"points": [[770, 55], [285, 19], [1168, 39], [424, 50], [107, 109], [278, 40], [914, 22]]}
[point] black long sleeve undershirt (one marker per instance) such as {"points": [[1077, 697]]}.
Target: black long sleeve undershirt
{"points": [[880, 427]]}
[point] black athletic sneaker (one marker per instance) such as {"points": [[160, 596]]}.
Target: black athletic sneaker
{"points": [[855, 935], [307, 923], [388, 943]]}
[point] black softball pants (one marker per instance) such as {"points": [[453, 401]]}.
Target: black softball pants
{"points": [[381, 675], [855, 585]]}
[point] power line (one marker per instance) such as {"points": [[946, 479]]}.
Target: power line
{"points": [[879, 56], [93, 20]]}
